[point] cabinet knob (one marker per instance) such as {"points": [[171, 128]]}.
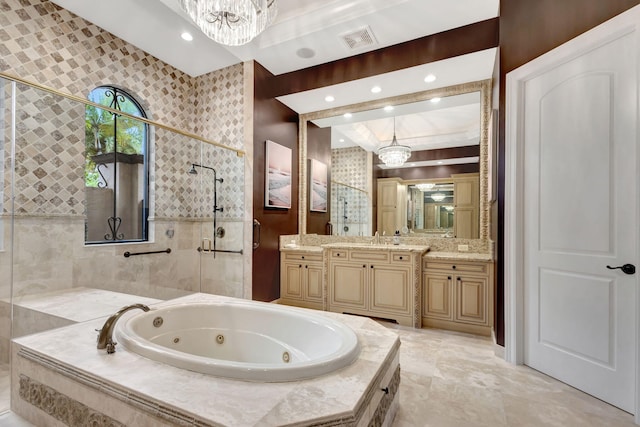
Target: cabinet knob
{"points": [[453, 267], [372, 266], [448, 277], [400, 258], [459, 278], [364, 266], [302, 256], [299, 265], [306, 266]]}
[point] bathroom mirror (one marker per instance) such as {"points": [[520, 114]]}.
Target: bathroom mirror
{"points": [[448, 95]]}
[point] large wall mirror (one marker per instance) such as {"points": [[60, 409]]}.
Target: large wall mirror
{"points": [[458, 117]]}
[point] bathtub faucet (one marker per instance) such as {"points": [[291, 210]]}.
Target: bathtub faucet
{"points": [[105, 337]]}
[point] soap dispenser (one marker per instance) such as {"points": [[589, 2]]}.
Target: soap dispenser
{"points": [[396, 237]]}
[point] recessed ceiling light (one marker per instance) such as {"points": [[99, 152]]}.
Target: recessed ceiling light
{"points": [[388, 108], [435, 100], [341, 139], [430, 78], [440, 162], [376, 89], [186, 36], [347, 115], [306, 53], [329, 98]]}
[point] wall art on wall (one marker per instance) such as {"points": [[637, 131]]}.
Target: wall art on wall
{"points": [[278, 176], [318, 187]]}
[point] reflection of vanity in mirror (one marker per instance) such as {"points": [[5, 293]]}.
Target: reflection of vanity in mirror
{"points": [[448, 139], [445, 207]]}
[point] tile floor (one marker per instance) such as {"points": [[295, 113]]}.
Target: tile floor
{"points": [[455, 380]]}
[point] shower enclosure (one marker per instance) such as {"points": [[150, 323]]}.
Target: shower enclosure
{"points": [[50, 276]]}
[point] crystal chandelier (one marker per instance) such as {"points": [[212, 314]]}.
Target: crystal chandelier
{"points": [[426, 186], [438, 197], [394, 155], [231, 22]]}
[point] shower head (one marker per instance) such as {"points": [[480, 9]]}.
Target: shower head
{"points": [[193, 170]]}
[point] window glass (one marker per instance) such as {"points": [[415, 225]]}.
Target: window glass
{"points": [[116, 169]]}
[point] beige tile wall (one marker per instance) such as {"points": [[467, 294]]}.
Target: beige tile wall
{"points": [[43, 43]]}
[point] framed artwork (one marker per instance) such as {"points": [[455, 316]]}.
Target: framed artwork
{"points": [[318, 187], [277, 183]]}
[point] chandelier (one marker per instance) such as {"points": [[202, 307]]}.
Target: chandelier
{"points": [[231, 22], [394, 155], [425, 186], [438, 197]]}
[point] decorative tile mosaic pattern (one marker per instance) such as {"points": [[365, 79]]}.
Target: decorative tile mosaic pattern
{"points": [[44, 43], [350, 208]]}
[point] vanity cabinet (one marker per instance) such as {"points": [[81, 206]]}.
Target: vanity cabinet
{"points": [[392, 205], [376, 283], [458, 295], [301, 279], [466, 201]]}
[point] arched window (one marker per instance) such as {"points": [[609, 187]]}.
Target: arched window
{"points": [[116, 169]]}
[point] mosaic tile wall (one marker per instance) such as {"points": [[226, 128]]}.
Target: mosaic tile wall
{"points": [[350, 166], [44, 43]]}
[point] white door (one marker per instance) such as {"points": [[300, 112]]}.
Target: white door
{"points": [[579, 139]]}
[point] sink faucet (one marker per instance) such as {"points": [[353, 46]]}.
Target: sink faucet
{"points": [[105, 338]]}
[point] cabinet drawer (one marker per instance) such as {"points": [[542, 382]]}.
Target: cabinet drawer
{"points": [[401, 257], [299, 256], [370, 256], [462, 267], [339, 254]]}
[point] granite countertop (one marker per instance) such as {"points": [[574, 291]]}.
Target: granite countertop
{"points": [[377, 247], [459, 256], [308, 249]]}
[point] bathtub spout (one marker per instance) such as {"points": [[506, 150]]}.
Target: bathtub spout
{"points": [[105, 336]]}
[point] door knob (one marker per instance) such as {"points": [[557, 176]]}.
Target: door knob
{"points": [[626, 269]]}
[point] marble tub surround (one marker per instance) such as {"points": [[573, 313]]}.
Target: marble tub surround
{"points": [[137, 391], [50, 310]]}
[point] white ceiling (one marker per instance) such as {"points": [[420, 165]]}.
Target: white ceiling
{"points": [[155, 26]]}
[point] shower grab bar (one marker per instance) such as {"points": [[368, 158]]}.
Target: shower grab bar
{"points": [[128, 254], [256, 226], [220, 251]]}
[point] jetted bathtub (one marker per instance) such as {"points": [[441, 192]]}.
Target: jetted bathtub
{"points": [[244, 340]]}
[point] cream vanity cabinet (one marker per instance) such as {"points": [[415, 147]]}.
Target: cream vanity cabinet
{"points": [[301, 279], [376, 282], [466, 200], [458, 295], [392, 205]]}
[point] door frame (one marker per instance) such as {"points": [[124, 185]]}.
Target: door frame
{"points": [[625, 23]]}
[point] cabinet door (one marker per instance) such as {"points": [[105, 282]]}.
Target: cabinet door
{"points": [[390, 289], [348, 285], [292, 281], [313, 288], [471, 299], [437, 295], [466, 223]]}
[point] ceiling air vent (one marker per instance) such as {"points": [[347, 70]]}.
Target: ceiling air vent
{"points": [[361, 38]]}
